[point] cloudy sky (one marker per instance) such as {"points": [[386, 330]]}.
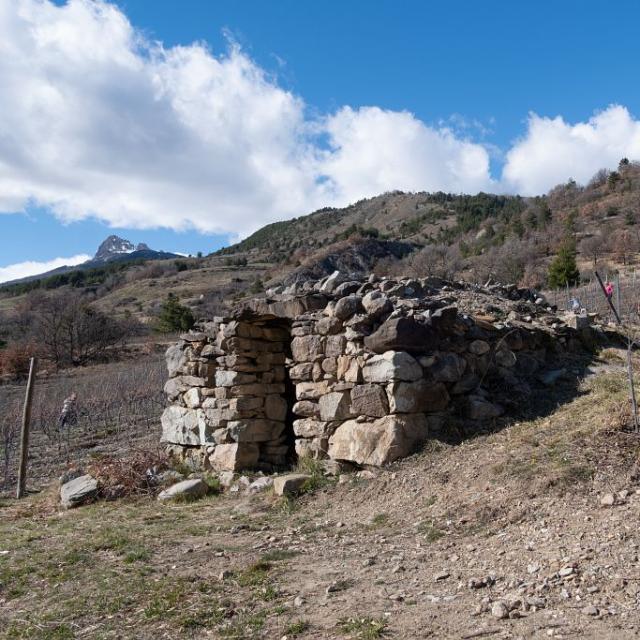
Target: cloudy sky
{"points": [[189, 124]]}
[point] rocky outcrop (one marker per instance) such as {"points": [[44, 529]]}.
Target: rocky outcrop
{"points": [[357, 371]]}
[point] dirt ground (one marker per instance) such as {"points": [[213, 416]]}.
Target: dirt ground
{"points": [[530, 532]]}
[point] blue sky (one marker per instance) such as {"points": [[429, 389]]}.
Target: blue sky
{"points": [[254, 111]]}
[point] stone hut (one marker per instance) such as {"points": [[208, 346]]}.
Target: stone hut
{"points": [[360, 372]]}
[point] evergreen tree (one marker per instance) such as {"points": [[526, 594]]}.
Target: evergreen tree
{"points": [[174, 316], [563, 270]]}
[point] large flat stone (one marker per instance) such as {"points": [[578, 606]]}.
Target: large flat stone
{"points": [[380, 442], [306, 348], [402, 334], [195, 488], [254, 430], [78, 491], [392, 365]]}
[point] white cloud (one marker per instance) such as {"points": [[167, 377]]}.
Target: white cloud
{"points": [[96, 121], [373, 150], [31, 268], [553, 150]]}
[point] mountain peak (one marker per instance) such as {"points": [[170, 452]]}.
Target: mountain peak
{"points": [[113, 246]]}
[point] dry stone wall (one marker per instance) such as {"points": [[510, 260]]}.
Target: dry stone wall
{"points": [[363, 372]]}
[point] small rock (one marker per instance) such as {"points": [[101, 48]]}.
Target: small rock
{"points": [[289, 484], [78, 491], [607, 500], [298, 601], [224, 575], [442, 575], [499, 610], [590, 610], [196, 488]]}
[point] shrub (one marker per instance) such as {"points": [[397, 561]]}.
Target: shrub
{"points": [[563, 270], [174, 316]]}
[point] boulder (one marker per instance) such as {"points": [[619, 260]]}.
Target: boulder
{"points": [[234, 457], [505, 358], [306, 348], [290, 484], [335, 406], [260, 484], [347, 306], [347, 288], [444, 319], [392, 365], [369, 400], [376, 304], [380, 442], [479, 347], [331, 283], [193, 489], [328, 326], [401, 334], [80, 490], [180, 426], [417, 397], [448, 367]]}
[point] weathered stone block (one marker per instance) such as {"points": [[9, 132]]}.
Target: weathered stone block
{"points": [[301, 371], [392, 365], [180, 426], [380, 442], [306, 408], [417, 397], [335, 406], [347, 306], [311, 428], [235, 457], [479, 347], [254, 430], [369, 400], [335, 345], [232, 378], [402, 334], [275, 407], [315, 448], [311, 390], [192, 398], [449, 367], [306, 348]]}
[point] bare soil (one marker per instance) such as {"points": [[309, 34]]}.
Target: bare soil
{"points": [[422, 549]]}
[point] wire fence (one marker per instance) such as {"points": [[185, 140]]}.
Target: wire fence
{"points": [[118, 408], [626, 297]]}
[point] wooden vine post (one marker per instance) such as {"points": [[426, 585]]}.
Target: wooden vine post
{"points": [[24, 434]]}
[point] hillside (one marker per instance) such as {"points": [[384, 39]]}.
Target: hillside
{"points": [[524, 533], [480, 237]]}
